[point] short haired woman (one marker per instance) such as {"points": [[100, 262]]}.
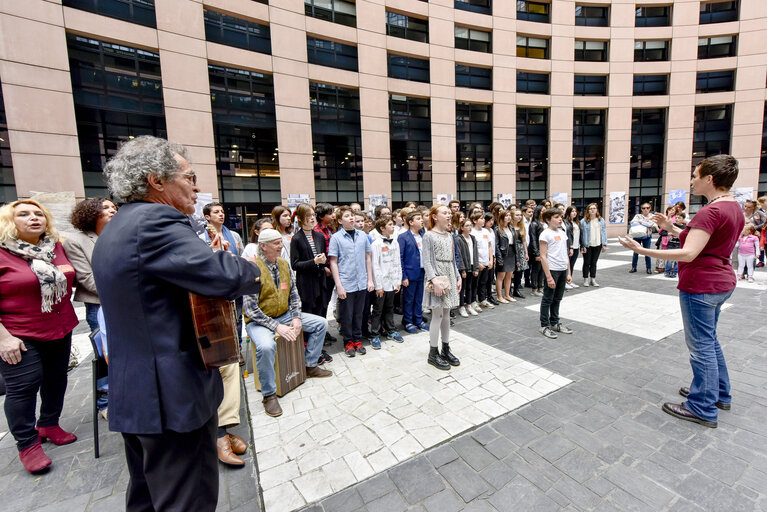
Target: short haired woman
{"points": [[36, 330], [706, 281]]}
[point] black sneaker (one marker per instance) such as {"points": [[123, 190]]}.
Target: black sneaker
{"points": [[561, 328], [350, 349], [633, 270], [360, 349], [546, 331]]}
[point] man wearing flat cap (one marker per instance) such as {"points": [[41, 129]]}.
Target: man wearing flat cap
{"points": [[276, 311]]}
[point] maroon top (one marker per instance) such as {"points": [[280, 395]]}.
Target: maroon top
{"points": [[21, 301], [711, 271]]}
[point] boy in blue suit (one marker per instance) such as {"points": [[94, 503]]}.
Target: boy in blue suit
{"points": [[412, 274]]}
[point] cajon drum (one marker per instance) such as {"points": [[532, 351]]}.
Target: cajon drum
{"points": [[289, 364]]}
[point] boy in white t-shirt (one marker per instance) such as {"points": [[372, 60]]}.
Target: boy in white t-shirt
{"points": [[555, 261], [484, 257]]}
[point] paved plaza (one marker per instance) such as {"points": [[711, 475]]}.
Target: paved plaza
{"points": [[526, 423]]}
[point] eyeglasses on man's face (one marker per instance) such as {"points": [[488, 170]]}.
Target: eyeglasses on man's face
{"points": [[190, 177]]}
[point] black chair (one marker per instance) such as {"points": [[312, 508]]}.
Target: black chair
{"points": [[99, 369]]}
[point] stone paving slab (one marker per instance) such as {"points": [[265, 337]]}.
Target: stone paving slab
{"points": [[381, 409]]}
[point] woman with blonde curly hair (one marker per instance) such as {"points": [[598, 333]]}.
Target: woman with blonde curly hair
{"points": [[36, 328]]}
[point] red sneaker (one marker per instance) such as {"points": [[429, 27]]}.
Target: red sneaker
{"points": [[34, 458], [56, 434]]}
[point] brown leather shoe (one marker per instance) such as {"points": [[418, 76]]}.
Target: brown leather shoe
{"points": [[272, 406], [683, 413], [238, 445], [225, 453], [316, 371], [684, 391]]}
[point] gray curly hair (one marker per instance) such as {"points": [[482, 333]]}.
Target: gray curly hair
{"points": [[126, 173]]}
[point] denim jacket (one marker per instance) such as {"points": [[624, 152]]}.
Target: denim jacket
{"points": [[586, 232]]}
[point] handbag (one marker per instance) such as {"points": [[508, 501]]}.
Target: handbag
{"points": [[442, 280], [637, 230]]}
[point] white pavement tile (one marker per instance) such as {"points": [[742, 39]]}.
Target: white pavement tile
{"points": [[605, 263], [380, 409]]}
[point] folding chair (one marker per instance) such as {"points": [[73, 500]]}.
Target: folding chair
{"points": [[99, 369]]}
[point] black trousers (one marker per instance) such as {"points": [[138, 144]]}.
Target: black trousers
{"points": [[590, 261], [537, 278], [573, 259], [517, 280], [43, 368], [350, 311], [484, 276], [173, 471], [382, 319], [552, 297]]}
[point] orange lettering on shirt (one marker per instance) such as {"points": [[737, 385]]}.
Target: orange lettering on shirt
{"points": [[283, 286], [384, 249], [557, 238], [66, 268], [484, 236]]}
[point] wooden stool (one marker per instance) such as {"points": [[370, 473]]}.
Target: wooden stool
{"points": [[289, 364]]}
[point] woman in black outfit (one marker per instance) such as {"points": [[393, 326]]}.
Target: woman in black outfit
{"points": [[536, 270]]}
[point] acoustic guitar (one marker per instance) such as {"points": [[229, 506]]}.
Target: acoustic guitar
{"points": [[215, 325]]}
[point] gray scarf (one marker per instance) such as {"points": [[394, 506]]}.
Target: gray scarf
{"points": [[53, 282]]}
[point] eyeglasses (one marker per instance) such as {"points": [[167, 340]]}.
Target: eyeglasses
{"points": [[190, 176], [645, 207]]}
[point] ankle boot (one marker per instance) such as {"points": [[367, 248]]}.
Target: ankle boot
{"points": [[448, 356], [436, 360], [56, 434], [34, 458]]}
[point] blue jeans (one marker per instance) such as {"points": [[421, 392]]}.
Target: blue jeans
{"points": [[672, 267], [644, 242], [91, 315], [710, 381], [313, 325]]}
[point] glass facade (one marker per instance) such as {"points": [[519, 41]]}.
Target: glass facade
{"points": [[231, 31], [410, 149], [715, 81], [532, 153], [336, 11], [407, 27], [588, 156], [653, 16], [336, 143], [474, 151], [473, 39], [408, 68], [245, 131], [650, 85], [532, 83], [533, 11], [135, 11], [331, 54], [473, 77], [118, 96], [590, 85], [7, 183], [763, 159], [648, 134], [711, 136]]}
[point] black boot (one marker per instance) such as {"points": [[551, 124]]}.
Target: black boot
{"points": [[436, 360], [448, 356]]}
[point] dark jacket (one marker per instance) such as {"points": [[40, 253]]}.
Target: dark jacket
{"points": [[410, 256], [310, 277], [536, 228], [146, 261], [502, 245], [466, 263]]}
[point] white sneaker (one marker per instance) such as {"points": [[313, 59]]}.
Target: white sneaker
{"points": [[462, 312], [104, 414], [568, 286], [476, 307], [594, 282], [573, 285], [486, 304], [471, 311], [586, 283]]}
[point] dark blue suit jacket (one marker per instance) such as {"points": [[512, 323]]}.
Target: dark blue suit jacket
{"points": [[145, 262], [410, 256]]}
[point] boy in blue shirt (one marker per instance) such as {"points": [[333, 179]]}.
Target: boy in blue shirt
{"points": [[352, 267], [412, 274]]}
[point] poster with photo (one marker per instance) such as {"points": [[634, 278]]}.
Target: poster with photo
{"points": [[559, 197], [743, 194], [376, 199], [617, 214], [197, 219], [674, 196], [505, 199], [296, 199], [444, 198]]}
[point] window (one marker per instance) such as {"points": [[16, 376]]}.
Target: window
{"points": [[399, 25], [763, 160], [588, 156], [711, 131], [135, 11], [532, 153], [7, 182], [714, 47], [337, 143], [474, 150], [532, 47], [590, 85], [410, 147], [533, 11], [473, 77], [653, 16], [480, 6], [473, 39], [715, 81], [595, 51], [718, 12], [248, 35], [532, 83], [337, 11], [408, 68], [331, 54], [245, 137], [649, 51], [650, 85], [592, 16], [118, 96], [648, 135]]}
